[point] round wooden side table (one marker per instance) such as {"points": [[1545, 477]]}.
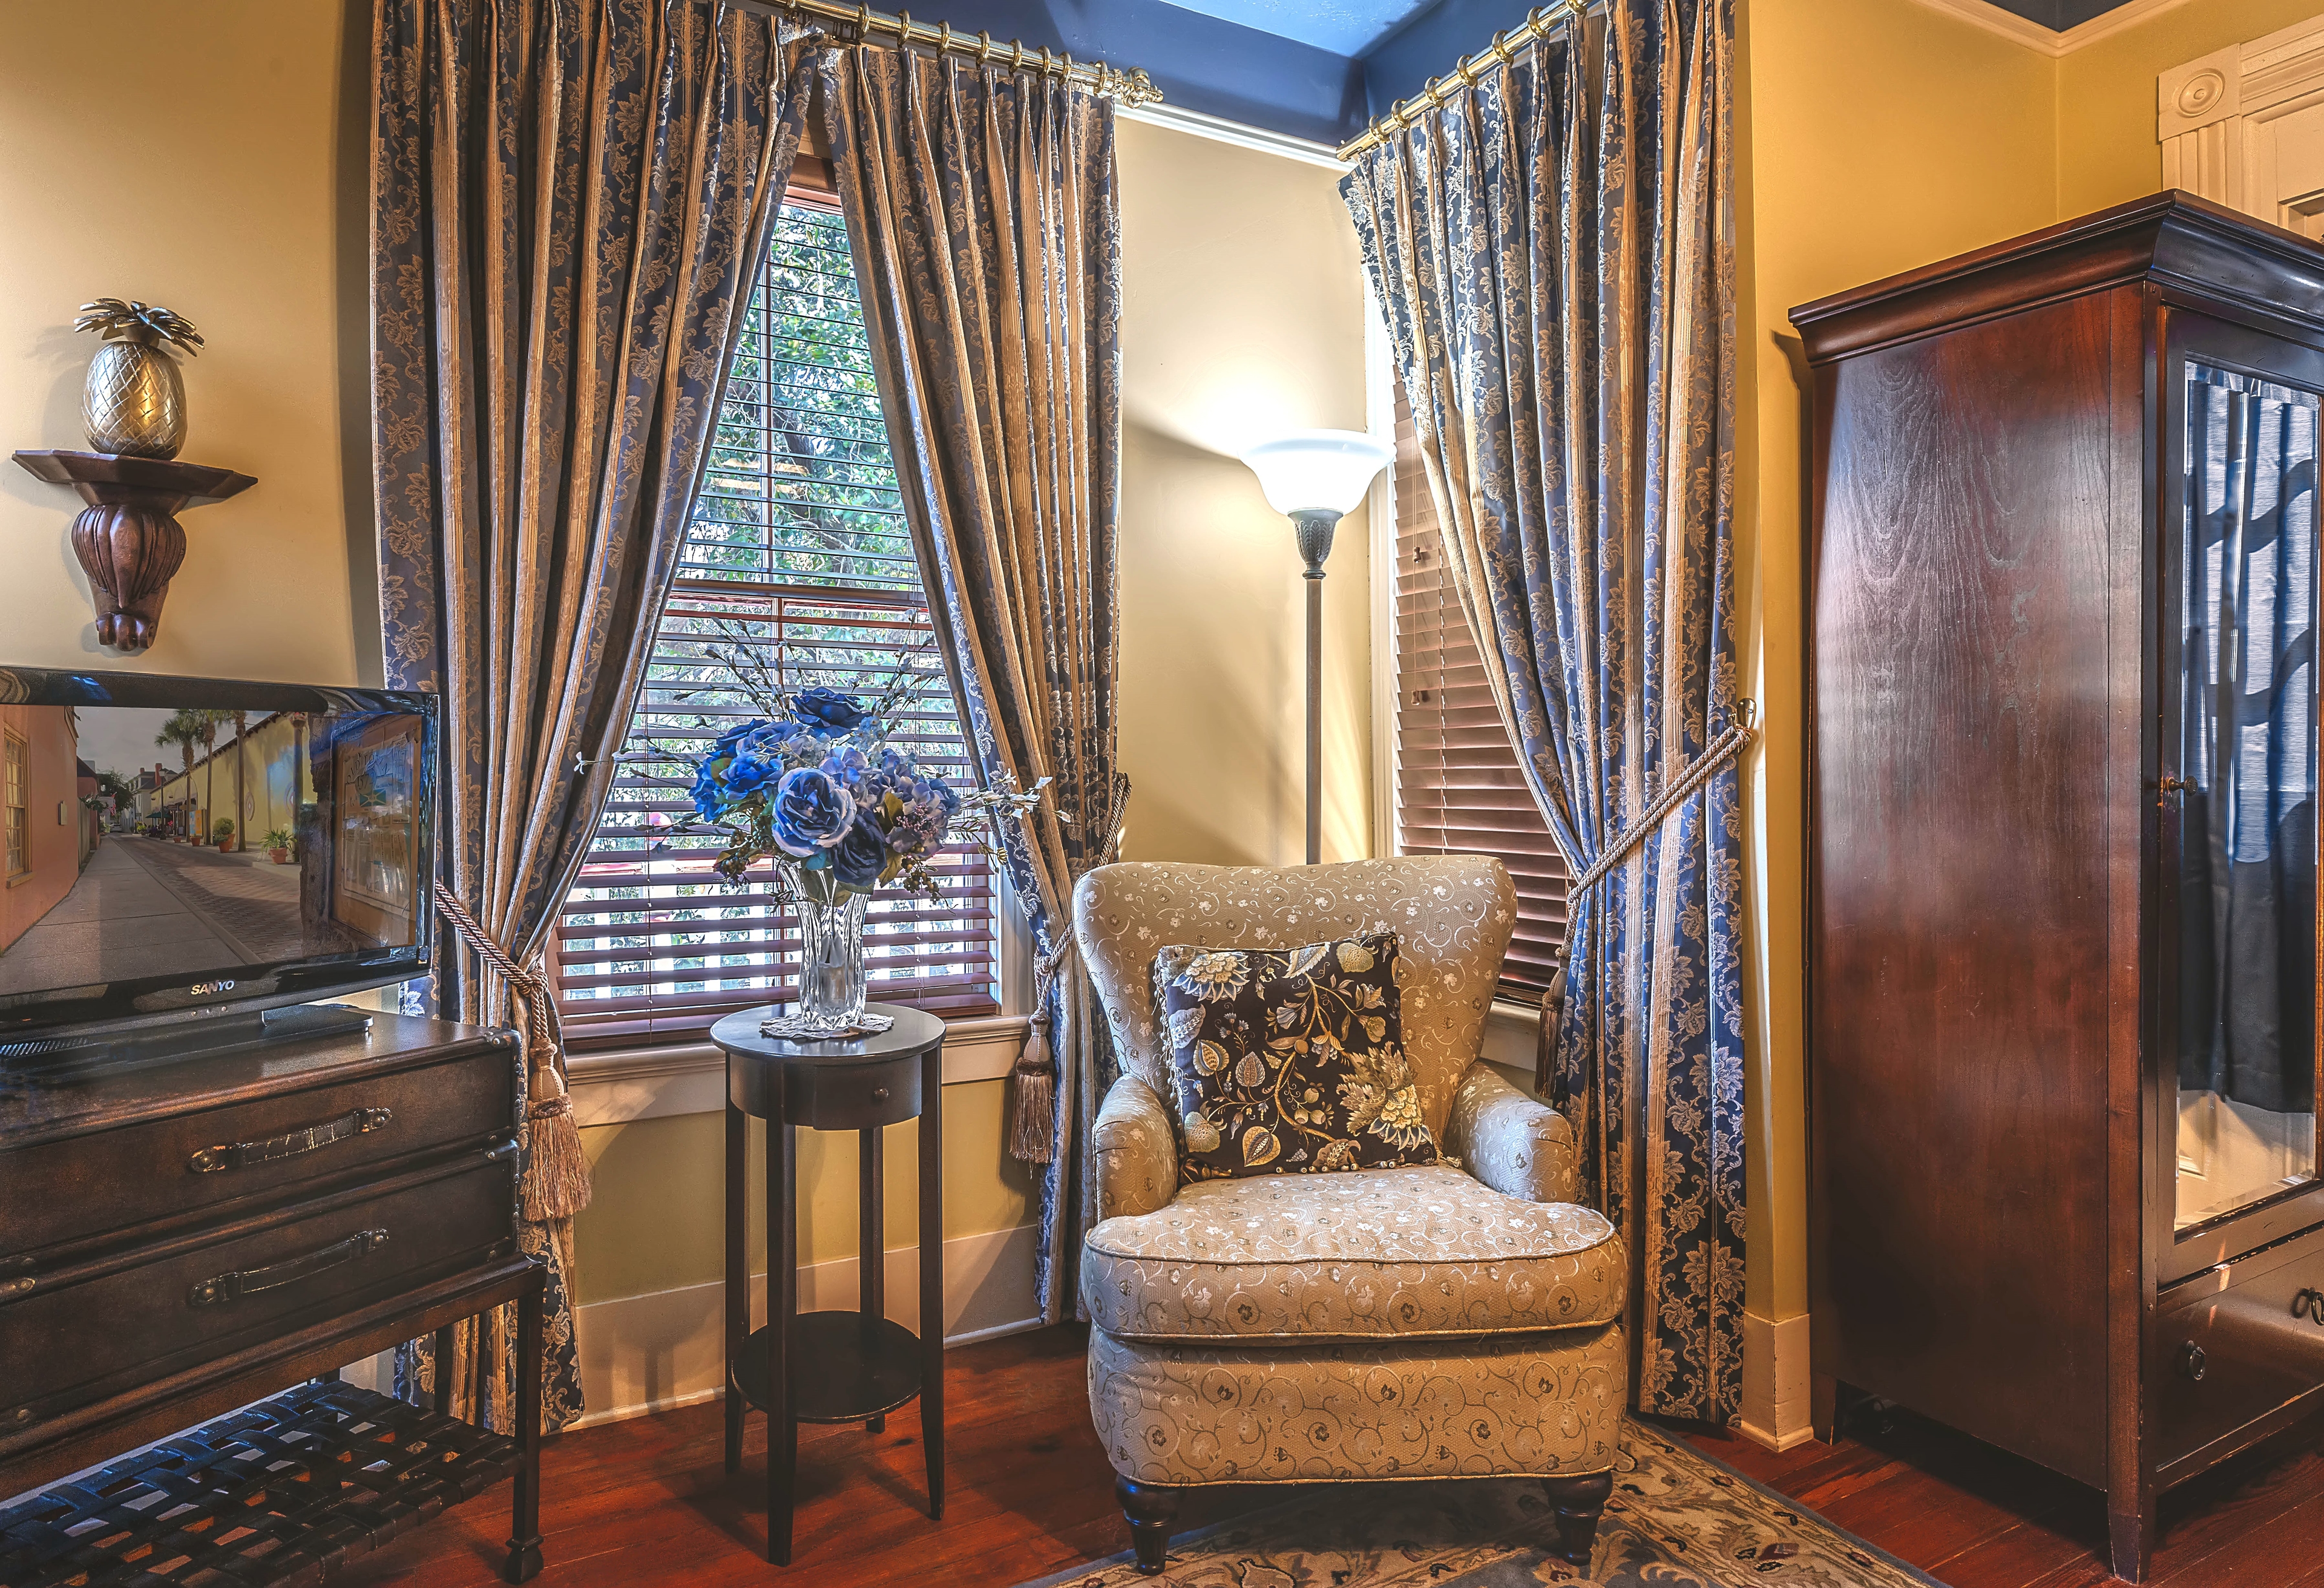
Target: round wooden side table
{"points": [[831, 1367]]}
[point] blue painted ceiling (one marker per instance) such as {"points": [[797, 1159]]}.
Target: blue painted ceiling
{"points": [[1318, 70], [1344, 27]]}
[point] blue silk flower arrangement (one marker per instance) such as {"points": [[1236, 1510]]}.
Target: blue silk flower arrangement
{"points": [[824, 792]]}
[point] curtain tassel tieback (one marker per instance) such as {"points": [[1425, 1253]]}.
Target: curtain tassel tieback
{"points": [[556, 1170], [1032, 1082], [1704, 767]]}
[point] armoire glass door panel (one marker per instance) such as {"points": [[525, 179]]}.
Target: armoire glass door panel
{"points": [[2240, 767]]}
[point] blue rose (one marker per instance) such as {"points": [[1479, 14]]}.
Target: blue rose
{"points": [[810, 812], [822, 710], [861, 855]]}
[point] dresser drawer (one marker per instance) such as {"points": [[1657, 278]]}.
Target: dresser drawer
{"points": [[197, 1299], [66, 1196], [2234, 1345]]}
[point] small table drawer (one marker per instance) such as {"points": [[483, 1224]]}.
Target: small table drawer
{"points": [[823, 1094], [66, 1196], [200, 1297], [2233, 1346]]}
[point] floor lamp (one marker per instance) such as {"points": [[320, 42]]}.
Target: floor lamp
{"points": [[1315, 478]]}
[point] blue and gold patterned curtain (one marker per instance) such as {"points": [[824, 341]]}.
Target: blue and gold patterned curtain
{"points": [[981, 207], [2247, 743], [568, 198], [1552, 246]]}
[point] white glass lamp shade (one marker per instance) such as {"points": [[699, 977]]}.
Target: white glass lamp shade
{"points": [[1318, 471]]}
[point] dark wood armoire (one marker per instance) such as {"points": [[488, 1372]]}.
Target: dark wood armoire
{"points": [[2064, 1176]]}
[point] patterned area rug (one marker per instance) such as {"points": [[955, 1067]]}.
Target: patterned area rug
{"points": [[1678, 1519]]}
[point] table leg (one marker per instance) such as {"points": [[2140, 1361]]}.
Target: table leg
{"points": [[871, 1259], [783, 1299], [932, 1307], [738, 1274], [523, 1561], [442, 1369]]}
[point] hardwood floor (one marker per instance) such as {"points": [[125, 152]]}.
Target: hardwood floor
{"points": [[647, 1502]]}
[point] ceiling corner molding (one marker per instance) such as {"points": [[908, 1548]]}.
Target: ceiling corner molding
{"points": [[1179, 119], [2008, 24]]}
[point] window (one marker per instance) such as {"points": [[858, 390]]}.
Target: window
{"points": [[19, 795], [798, 558], [1458, 786]]}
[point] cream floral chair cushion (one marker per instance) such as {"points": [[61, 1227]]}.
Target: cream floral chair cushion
{"points": [[1459, 1320]]}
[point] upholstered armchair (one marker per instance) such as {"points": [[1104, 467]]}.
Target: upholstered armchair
{"points": [[1439, 1322]]}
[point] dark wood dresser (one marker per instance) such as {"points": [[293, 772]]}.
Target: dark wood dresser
{"points": [[2065, 1187], [180, 1235]]}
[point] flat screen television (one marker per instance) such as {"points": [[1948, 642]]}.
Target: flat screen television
{"points": [[179, 849]]}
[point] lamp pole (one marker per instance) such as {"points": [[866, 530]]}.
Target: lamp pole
{"points": [[1315, 478], [1314, 527]]}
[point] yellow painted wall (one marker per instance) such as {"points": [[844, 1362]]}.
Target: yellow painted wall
{"points": [[186, 155], [1243, 317], [2105, 93], [1876, 135], [655, 1221]]}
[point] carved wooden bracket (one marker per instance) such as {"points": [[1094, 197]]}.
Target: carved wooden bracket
{"points": [[127, 538]]}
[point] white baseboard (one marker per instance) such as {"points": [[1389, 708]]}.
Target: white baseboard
{"points": [[647, 1354], [1776, 1382]]}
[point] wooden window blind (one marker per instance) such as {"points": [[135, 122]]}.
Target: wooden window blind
{"points": [[1458, 786], [798, 557]]}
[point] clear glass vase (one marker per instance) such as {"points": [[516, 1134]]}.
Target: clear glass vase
{"points": [[832, 983]]}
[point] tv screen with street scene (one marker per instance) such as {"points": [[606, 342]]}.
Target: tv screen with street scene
{"points": [[171, 845]]}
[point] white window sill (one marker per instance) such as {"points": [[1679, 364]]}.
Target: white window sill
{"points": [[625, 1084]]}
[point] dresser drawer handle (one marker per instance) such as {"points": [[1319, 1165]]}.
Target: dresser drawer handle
{"points": [[2309, 1305], [879, 1094], [244, 1282], [243, 1155], [2191, 1363]]}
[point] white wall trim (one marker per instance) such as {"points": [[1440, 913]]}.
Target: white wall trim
{"points": [[2238, 126], [629, 1084], [1379, 418], [2043, 41], [666, 1349], [1776, 1382], [1179, 119]]}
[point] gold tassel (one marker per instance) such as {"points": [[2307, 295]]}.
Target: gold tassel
{"points": [[1034, 1140], [556, 1171], [1033, 1085]]}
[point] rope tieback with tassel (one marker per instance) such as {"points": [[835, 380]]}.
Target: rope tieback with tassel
{"points": [[1033, 1079], [556, 1170]]}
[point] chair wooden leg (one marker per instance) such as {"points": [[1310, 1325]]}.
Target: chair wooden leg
{"points": [[1579, 1502], [1151, 1512]]}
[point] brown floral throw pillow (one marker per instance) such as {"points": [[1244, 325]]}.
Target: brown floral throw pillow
{"points": [[1289, 1060]]}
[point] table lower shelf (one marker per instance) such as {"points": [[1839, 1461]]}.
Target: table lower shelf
{"points": [[281, 1493], [841, 1372]]}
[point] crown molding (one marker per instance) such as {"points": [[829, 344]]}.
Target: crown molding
{"points": [[1179, 119], [2042, 41]]}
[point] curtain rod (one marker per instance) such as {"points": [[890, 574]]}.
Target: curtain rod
{"points": [[1463, 75], [1130, 88]]}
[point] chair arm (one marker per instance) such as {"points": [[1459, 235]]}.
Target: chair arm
{"points": [[1136, 1150], [1516, 1145]]}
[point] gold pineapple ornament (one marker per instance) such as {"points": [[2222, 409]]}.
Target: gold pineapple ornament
{"points": [[135, 401]]}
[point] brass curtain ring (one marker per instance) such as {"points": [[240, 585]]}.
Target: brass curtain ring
{"points": [[983, 47]]}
